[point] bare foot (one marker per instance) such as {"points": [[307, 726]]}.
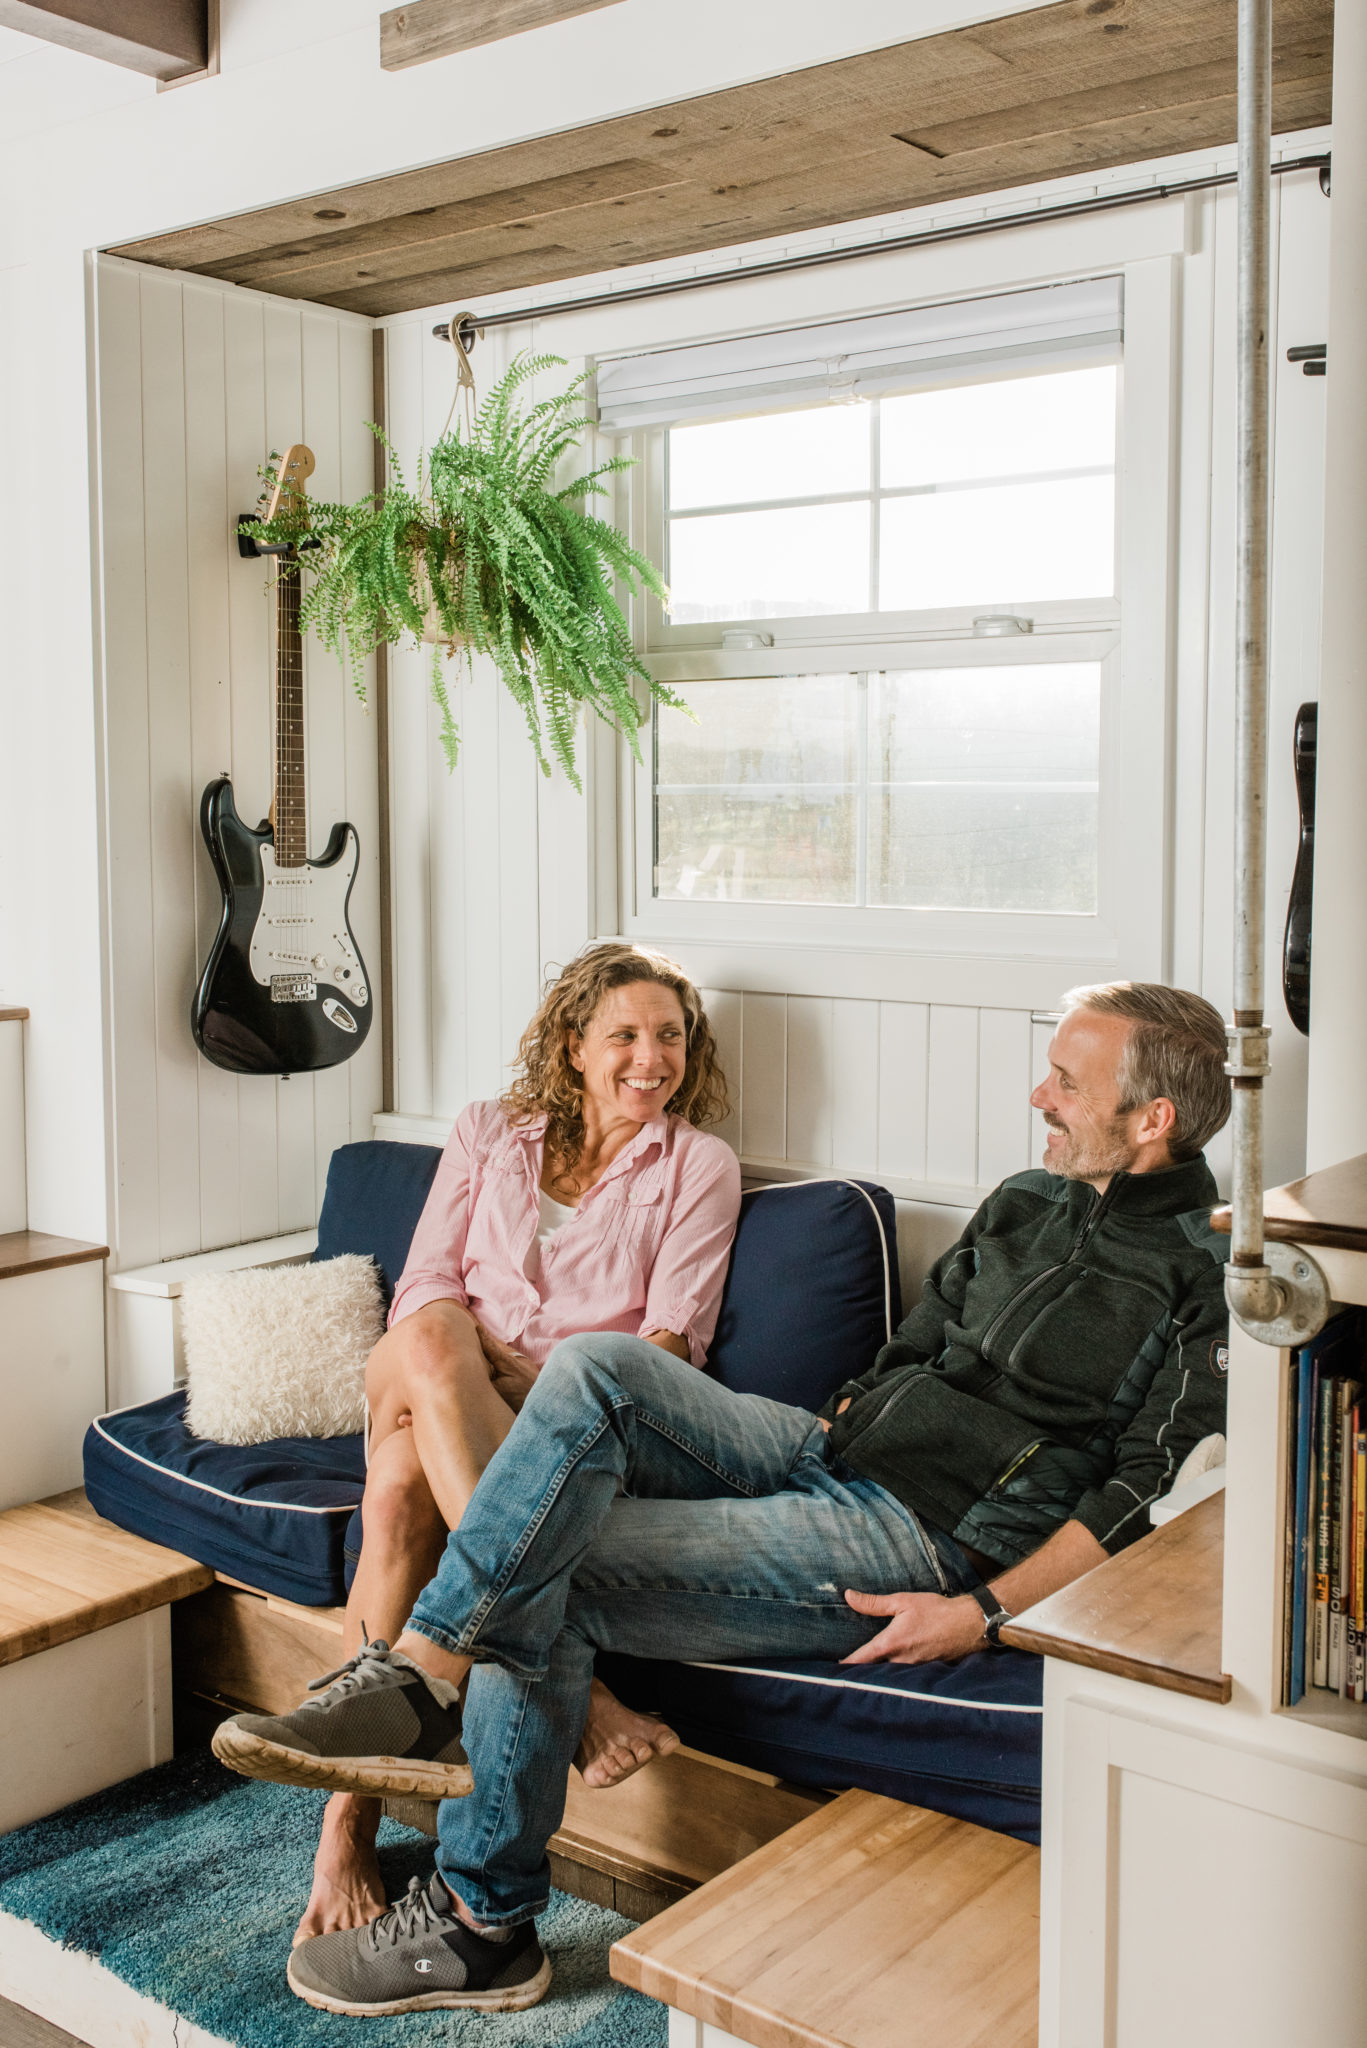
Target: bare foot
{"points": [[617, 1742], [348, 1890]]}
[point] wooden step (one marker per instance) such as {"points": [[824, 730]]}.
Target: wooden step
{"points": [[34, 1251], [869, 1925], [65, 1572]]}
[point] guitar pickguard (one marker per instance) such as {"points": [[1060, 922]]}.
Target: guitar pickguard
{"points": [[300, 936]]}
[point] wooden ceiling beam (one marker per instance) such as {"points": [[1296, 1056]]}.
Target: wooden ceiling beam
{"points": [[1079, 85], [163, 39], [439, 28]]}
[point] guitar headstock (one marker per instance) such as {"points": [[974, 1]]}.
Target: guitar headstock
{"points": [[296, 467]]}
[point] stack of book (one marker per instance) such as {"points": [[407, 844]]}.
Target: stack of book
{"points": [[1326, 1555]]}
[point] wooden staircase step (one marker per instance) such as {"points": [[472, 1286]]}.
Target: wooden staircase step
{"points": [[868, 1925], [34, 1251], [65, 1572]]}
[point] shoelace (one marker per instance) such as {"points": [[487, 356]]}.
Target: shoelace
{"points": [[348, 1676], [413, 1914]]}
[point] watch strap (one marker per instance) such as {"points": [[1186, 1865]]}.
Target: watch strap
{"points": [[995, 1616]]}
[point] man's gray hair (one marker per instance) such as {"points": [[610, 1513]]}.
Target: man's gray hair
{"points": [[1176, 1049]]}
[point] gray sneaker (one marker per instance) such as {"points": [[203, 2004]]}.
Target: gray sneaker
{"points": [[381, 1726], [418, 1955]]}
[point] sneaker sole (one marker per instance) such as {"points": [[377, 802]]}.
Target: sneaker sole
{"points": [[253, 1756], [513, 1998]]}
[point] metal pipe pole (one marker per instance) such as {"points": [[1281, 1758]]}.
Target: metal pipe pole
{"points": [[1250, 1287]]}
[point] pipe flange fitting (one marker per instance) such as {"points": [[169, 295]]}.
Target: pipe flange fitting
{"points": [[1249, 1057], [1295, 1289]]}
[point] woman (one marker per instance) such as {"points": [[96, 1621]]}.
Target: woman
{"points": [[586, 1198]]}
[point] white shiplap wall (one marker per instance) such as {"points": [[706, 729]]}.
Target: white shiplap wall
{"points": [[196, 383], [931, 1099]]}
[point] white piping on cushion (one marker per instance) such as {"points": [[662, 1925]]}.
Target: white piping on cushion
{"points": [[895, 1692], [288, 1507], [838, 1180]]}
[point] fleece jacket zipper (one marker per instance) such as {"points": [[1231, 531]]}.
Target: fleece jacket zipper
{"points": [[1078, 1246]]}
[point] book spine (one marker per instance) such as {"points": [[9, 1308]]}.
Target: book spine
{"points": [[1360, 1552], [1305, 1424], [1335, 1672], [1343, 1538], [1289, 1534], [1324, 1461]]}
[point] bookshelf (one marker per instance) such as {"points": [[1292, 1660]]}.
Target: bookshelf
{"points": [[1226, 1836]]}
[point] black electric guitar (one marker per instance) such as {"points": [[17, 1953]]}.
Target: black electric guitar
{"points": [[284, 989]]}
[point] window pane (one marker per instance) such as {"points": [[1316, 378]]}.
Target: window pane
{"points": [[757, 565], [750, 805], [1003, 544], [737, 846], [983, 788], [769, 729], [812, 454], [1017, 427]]}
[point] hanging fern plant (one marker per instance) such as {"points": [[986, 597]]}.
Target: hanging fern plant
{"points": [[482, 556]]}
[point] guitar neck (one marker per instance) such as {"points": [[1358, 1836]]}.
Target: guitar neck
{"points": [[291, 834]]}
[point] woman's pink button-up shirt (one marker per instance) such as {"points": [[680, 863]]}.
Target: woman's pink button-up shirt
{"points": [[646, 1249]]}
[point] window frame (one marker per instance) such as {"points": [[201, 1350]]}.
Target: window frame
{"points": [[1131, 633]]}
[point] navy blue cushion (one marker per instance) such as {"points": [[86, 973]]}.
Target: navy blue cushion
{"points": [[273, 1515], [962, 1739], [812, 1292], [372, 1203]]}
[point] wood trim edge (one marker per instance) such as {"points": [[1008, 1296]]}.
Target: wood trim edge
{"points": [[1217, 1688]]}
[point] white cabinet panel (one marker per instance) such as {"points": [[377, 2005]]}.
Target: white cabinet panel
{"points": [[854, 1086], [903, 1039], [763, 1120], [810, 1080], [1003, 1094]]}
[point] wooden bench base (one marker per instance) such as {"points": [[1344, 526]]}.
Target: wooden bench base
{"points": [[637, 1848]]}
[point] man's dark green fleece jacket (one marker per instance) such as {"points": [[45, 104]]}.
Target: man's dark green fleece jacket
{"points": [[1063, 1359]]}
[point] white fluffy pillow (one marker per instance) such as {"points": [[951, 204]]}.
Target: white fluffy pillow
{"points": [[280, 1351]]}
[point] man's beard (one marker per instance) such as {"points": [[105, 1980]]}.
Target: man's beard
{"points": [[1087, 1158]]}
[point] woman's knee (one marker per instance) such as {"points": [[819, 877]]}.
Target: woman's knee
{"points": [[398, 1500], [424, 1350]]}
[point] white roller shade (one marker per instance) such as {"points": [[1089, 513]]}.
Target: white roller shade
{"points": [[858, 358]]}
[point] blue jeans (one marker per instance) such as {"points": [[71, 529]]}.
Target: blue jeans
{"points": [[638, 1506]]}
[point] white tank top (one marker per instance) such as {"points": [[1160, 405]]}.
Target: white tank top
{"points": [[552, 1216]]}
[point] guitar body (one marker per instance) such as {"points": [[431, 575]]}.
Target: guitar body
{"points": [[284, 990]]}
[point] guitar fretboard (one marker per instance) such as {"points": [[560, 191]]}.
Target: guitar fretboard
{"points": [[291, 835]]}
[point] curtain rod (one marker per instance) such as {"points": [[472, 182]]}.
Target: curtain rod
{"points": [[471, 324]]}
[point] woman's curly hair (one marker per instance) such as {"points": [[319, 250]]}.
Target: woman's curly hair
{"points": [[545, 1083]]}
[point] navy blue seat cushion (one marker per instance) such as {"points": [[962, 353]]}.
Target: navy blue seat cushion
{"points": [[273, 1515], [962, 1739], [812, 1292], [374, 1197]]}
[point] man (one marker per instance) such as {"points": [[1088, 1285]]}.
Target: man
{"points": [[1062, 1360]]}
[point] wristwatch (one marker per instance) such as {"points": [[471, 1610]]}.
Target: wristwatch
{"points": [[995, 1615]]}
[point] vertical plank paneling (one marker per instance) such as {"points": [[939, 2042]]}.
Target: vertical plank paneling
{"points": [[410, 853], [168, 749], [197, 383], [518, 863], [208, 517], [132, 967], [724, 1013], [324, 687], [764, 1085], [1003, 1094], [1040, 1035], [903, 1039], [809, 1080], [294, 1155], [360, 729], [249, 625], [952, 1096], [854, 1085]]}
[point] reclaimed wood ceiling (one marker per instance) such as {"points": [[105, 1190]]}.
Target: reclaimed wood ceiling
{"points": [[1069, 88]]}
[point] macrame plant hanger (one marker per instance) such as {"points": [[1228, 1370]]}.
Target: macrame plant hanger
{"points": [[461, 332]]}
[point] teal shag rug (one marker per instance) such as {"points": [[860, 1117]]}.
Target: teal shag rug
{"points": [[188, 1882]]}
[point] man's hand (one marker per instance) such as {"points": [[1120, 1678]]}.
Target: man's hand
{"points": [[922, 1626], [512, 1374], [840, 1410]]}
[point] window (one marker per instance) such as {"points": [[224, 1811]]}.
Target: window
{"points": [[898, 569], [989, 493]]}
